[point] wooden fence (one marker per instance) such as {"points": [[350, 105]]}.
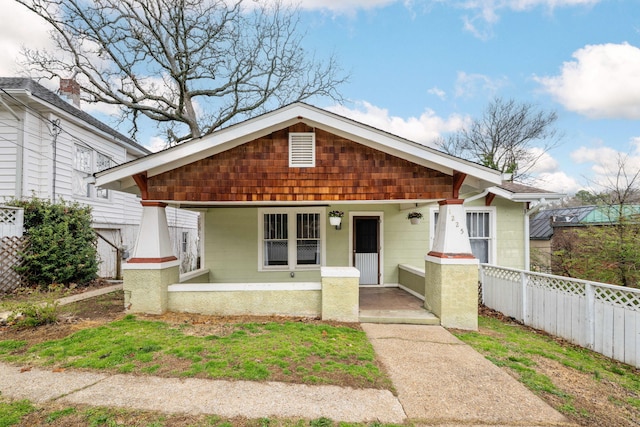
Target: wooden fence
{"points": [[604, 318], [10, 248], [12, 243]]}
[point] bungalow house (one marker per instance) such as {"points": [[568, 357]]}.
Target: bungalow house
{"points": [[49, 149], [268, 190]]}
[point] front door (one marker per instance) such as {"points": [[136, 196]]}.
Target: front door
{"points": [[366, 249]]}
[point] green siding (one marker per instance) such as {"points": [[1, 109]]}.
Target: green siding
{"points": [[231, 242], [510, 233]]}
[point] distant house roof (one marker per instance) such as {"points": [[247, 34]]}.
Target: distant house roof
{"points": [[610, 214], [542, 224], [45, 95]]}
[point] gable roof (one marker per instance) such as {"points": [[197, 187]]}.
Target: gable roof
{"points": [[540, 225], [120, 177], [36, 90]]}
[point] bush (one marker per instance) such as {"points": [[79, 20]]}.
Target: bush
{"points": [[30, 315], [62, 244]]}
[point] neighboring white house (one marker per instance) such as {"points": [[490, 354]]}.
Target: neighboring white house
{"points": [[50, 149]]}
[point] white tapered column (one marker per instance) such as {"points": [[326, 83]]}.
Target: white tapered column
{"points": [[451, 270], [153, 266]]}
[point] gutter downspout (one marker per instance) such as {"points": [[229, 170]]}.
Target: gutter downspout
{"points": [[476, 197], [527, 241]]}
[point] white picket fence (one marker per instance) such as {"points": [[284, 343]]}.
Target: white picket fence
{"points": [[604, 318]]}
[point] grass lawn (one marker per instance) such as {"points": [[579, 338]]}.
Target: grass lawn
{"points": [[589, 388], [269, 351]]}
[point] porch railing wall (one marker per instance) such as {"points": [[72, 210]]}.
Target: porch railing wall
{"points": [[604, 318]]}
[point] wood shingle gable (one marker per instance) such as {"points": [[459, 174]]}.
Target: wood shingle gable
{"points": [[300, 117], [259, 171]]}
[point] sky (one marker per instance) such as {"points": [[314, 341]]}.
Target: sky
{"points": [[423, 69]]}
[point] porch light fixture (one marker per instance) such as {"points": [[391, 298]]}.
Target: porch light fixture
{"points": [[335, 219]]}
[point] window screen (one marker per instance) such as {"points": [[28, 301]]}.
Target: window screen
{"points": [[308, 239], [275, 240]]}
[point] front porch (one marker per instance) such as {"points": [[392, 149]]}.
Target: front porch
{"points": [[393, 305]]}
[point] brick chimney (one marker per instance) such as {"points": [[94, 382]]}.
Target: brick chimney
{"points": [[69, 88]]}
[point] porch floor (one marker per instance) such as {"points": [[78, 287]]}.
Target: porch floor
{"points": [[393, 305]]}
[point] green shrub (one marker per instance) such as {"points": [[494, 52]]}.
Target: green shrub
{"points": [[30, 315], [62, 244]]}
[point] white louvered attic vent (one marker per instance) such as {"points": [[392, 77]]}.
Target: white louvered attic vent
{"points": [[302, 149]]}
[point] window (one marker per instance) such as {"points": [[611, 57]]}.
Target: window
{"points": [[302, 149], [82, 171], [185, 242], [102, 163], [87, 161], [480, 226], [276, 239], [479, 236], [291, 238]]}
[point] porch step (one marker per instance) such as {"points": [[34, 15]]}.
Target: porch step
{"points": [[407, 317]]}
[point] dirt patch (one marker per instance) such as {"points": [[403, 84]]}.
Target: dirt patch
{"points": [[73, 317], [595, 402]]}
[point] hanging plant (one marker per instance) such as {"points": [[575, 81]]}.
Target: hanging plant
{"points": [[416, 215], [336, 214]]}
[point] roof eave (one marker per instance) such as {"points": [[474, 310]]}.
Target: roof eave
{"points": [[478, 176]]}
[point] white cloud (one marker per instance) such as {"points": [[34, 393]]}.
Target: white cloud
{"points": [[23, 28], [602, 82], [604, 164], [424, 129], [547, 175], [544, 163], [155, 144], [558, 182], [438, 92], [485, 13], [342, 6], [468, 85]]}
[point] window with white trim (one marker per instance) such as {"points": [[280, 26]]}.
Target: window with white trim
{"points": [[82, 169], [85, 162], [291, 238], [184, 244], [479, 234], [481, 229], [102, 162], [302, 149]]}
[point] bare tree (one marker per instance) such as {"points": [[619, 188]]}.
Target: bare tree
{"points": [[191, 65], [509, 137], [607, 249]]}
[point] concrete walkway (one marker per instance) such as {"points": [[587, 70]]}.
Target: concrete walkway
{"points": [[440, 382], [73, 298], [443, 382]]}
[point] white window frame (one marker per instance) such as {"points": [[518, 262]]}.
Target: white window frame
{"points": [[294, 149], [91, 191], [491, 210], [80, 173], [184, 242], [291, 238], [102, 193]]}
